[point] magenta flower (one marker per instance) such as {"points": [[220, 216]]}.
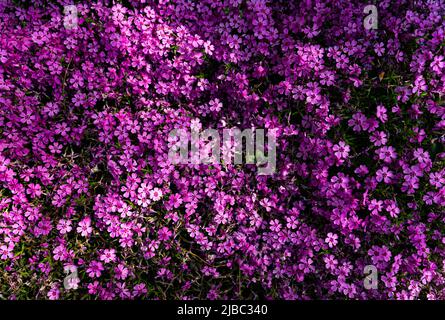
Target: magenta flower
{"points": [[90, 95], [387, 154], [384, 174], [331, 240], [84, 227], [341, 150], [95, 269]]}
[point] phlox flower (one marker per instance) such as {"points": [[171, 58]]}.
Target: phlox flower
{"points": [[108, 255], [384, 174], [84, 227], [331, 239], [95, 269], [386, 153], [64, 226], [155, 194], [341, 150]]}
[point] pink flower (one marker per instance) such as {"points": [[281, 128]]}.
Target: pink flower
{"points": [[275, 225], [387, 154], [384, 174], [392, 209], [6, 251], [84, 227], [381, 113], [155, 194], [379, 49], [164, 234], [95, 269], [341, 150], [53, 293], [34, 190], [331, 240], [378, 138], [108, 255], [358, 122], [64, 226]]}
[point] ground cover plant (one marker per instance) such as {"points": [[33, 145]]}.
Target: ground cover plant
{"points": [[89, 91]]}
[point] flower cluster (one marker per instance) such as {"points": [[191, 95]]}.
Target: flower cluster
{"points": [[86, 183]]}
